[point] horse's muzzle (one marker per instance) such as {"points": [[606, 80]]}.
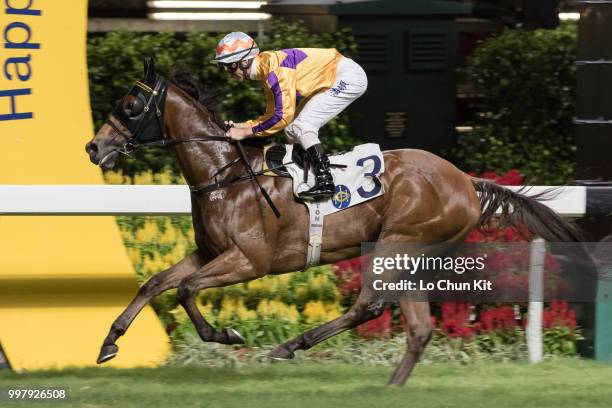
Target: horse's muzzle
{"points": [[99, 157]]}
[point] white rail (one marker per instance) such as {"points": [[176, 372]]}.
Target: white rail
{"points": [[173, 199]]}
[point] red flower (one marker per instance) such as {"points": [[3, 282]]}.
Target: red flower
{"points": [[348, 274], [499, 318], [379, 327], [558, 315], [511, 178], [456, 319]]}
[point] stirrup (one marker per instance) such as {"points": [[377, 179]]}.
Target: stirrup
{"points": [[318, 193], [312, 197]]}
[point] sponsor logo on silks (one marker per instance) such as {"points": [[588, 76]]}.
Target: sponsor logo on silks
{"points": [[342, 197], [335, 91]]}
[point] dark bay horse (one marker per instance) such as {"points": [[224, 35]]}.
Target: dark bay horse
{"points": [[239, 238]]}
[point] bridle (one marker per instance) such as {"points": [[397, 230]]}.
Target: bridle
{"points": [[146, 129]]}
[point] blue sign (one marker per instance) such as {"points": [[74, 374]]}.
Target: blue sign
{"points": [[342, 197]]}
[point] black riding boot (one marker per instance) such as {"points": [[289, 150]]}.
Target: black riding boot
{"points": [[324, 187]]}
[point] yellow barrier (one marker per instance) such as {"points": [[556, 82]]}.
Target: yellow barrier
{"points": [[62, 279]]}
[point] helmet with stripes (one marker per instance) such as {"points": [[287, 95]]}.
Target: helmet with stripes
{"points": [[235, 47]]}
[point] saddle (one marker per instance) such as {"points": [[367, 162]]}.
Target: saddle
{"points": [[356, 177]]}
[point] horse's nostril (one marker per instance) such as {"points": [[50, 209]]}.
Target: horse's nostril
{"points": [[91, 147]]}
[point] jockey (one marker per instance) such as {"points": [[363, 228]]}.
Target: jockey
{"points": [[305, 88]]}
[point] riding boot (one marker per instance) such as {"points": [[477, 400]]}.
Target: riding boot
{"points": [[324, 187]]}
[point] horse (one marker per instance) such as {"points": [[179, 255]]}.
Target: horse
{"points": [[239, 238]]}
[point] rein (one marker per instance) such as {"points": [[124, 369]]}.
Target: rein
{"points": [[156, 99]]}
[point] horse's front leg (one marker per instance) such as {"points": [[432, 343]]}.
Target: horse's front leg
{"points": [[168, 279], [227, 269]]}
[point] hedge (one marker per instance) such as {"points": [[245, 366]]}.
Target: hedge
{"points": [[526, 79], [115, 62]]}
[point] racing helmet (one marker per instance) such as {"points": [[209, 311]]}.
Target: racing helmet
{"points": [[235, 47]]}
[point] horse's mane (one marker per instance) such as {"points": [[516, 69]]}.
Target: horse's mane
{"points": [[184, 80], [205, 96]]}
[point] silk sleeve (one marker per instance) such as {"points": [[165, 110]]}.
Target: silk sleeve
{"points": [[280, 103]]}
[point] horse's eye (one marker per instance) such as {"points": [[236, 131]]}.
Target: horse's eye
{"points": [[133, 107]]}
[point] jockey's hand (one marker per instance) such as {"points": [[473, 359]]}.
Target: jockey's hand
{"points": [[237, 125], [236, 133]]}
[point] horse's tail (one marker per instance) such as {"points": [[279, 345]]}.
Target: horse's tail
{"points": [[516, 208]]}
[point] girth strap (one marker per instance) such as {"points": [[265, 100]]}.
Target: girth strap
{"points": [[315, 234]]}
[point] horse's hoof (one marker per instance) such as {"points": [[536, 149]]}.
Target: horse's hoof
{"points": [[107, 352], [281, 354], [233, 337]]}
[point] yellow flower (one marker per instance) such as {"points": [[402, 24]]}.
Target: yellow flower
{"points": [[228, 309], [255, 285], [243, 313], [148, 233], [153, 265], [317, 311], [163, 178], [134, 255], [314, 311], [191, 235], [318, 281], [337, 295], [263, 308], [148, 265], [210, 294], [283, 280], [301, 292], [293, 316], [170, 234], [270, 284], [275, 309], [113, 177], [176, 254], [179, 314], [206, 309], [288, 313], [333, 311], [144, 178]]}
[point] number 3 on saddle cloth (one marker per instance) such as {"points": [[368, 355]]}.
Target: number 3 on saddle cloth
{"points": [[356, 176]]}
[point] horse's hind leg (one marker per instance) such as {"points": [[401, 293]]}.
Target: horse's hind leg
{"points": [[369, 306], [168, 279], [418, 332], [362, 311]]}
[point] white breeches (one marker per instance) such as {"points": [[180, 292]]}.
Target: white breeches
{"points": [[351, 83]]}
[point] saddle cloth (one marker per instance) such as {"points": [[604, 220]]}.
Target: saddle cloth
{"points": [[356, 176]]}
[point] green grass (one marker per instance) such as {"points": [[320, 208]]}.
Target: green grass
{"points": [[560, 383]]}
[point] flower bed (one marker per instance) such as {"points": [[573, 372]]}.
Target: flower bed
{"points": [[272, 309]]}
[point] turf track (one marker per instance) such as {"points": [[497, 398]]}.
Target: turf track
{"points": [[554, 384]]}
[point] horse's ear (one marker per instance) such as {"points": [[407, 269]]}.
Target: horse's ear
{"points": [[149, 70]]}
